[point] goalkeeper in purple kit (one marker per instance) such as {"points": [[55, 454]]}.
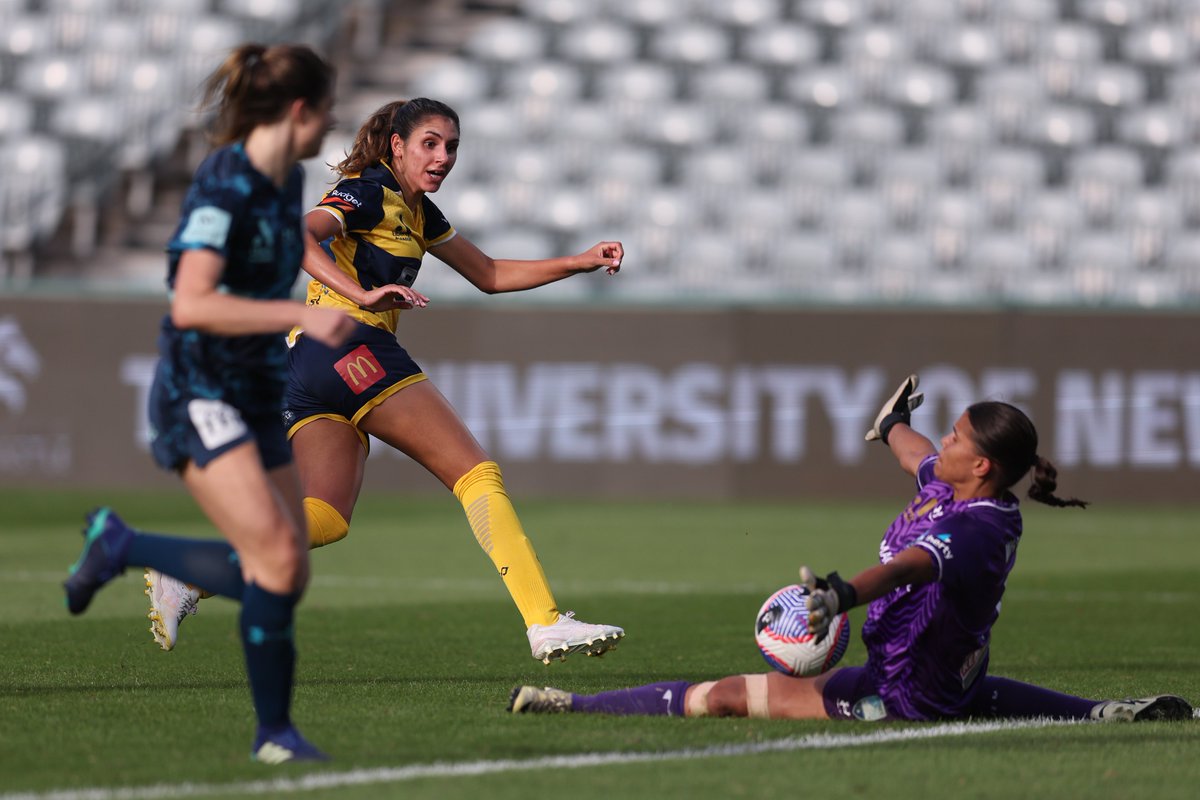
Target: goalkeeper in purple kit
{"points": [[931, 601]]}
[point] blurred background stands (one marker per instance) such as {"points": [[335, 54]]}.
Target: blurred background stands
{"points": [[1039, 152]]}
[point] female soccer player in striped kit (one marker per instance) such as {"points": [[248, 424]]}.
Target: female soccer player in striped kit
{"points": [[215, 401], [932, 600], [378, 222]]}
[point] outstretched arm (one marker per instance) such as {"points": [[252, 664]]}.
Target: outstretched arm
{"points": [[830, 596], [495, 275], [892, 426]]}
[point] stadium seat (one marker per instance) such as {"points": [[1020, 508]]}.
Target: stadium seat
{"points": [[855, 219], [471, 207], [868, 134], [729, 86], [452, 80], [1110, 90], [1009, 95], [801, 261], [951, 219], [1182, 181], [782, 45], [1005, 177], [201, 43], [558, 81], [671, 207], [1060, 130], [961, 133], [1156, 128], [1159, 44], [31, 160], [823, 87], [1183, 93], [742, 13], [560, 12], [1019, 24], [1001, 262], [507, 40], [1152, 218], [631, 161], [1181, 259], [1098, 261], [716, 168], [601, 42], [897, 264], [638, 81], [1049, 220], [678, 124], [586, 121], [968, 47], [16, 114], [918, 87], [1100, 177], [691, 43], [810, 177], [908, 179], [650, 15], [834, 14], [26, 36], [1117, 14]]}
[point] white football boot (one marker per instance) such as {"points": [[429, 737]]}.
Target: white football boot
{"points": [[1146, 709], [170, 601], [568, 635], [527, 699]]}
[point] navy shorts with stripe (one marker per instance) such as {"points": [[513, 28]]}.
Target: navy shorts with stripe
{"points": [[346, 381]]}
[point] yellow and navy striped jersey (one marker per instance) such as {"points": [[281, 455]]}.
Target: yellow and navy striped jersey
{"points": [[382, 239]]}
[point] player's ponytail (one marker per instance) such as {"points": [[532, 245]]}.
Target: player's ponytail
{"points": [[256, 84], [1045, 481], [1007, 438], [372, 143]]}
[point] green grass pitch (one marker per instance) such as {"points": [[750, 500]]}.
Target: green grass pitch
{"points": [[409, 646]]}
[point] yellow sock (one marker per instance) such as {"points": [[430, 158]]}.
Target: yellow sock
{"points": [[325, 524], [498, 531]]}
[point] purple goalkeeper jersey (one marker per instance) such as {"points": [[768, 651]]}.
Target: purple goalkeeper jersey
{"points": [[927, 646]]}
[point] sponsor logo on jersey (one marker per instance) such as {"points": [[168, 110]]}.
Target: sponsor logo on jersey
{"points": [[360, 369], [343, 199]]}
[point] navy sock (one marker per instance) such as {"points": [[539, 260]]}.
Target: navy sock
{"points": [[1004, 697], [656, 698], [266, 625], [208, 563]]}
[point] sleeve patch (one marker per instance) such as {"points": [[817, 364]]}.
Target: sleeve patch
{"points": [[207, 226]]}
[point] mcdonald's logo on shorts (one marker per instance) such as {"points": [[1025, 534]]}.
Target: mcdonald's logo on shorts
{"points": [[359, 369]]}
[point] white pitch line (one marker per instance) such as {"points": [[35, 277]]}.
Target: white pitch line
{"points": [[387, 775]]}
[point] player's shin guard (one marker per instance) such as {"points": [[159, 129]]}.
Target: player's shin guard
{"points": [[498, 531], [325, 524]]}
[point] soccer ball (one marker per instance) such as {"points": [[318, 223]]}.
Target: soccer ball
{"points": [[781, 631]]}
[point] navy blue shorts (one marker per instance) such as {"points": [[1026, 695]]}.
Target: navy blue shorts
{"points": [[199, 429], [851, 694], [344, 383]]}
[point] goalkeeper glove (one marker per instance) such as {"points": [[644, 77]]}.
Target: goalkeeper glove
{"points": [[827, 597], [898, 408]]}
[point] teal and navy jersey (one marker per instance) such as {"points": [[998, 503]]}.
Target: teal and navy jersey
{"points": [[235, 211], [382, 239]]}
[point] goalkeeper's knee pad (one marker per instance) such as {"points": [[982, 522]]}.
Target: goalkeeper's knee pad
{"points": [[325, 524]]}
